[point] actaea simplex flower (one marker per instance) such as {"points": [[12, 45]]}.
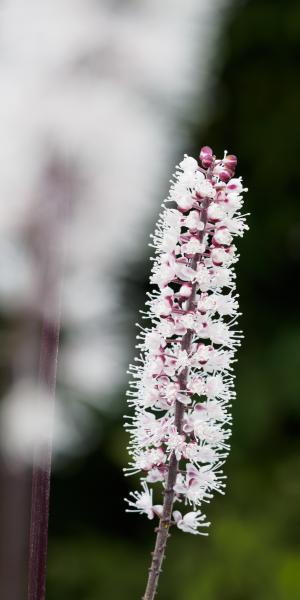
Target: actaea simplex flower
{"points": [[182, 382]]}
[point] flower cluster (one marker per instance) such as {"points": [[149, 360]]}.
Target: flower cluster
{"points": [[182, 382]]}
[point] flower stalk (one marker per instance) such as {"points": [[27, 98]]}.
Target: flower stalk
{"points": [[165, 521]]}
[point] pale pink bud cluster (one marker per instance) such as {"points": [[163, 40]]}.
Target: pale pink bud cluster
{"points": [[187, 353]]}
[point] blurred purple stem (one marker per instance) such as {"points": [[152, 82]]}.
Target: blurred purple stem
{"points": [[38, 540], [50, 246]]}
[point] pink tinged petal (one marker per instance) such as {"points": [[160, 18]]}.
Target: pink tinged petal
{"points": [[235, 185], [155, 475], [184, 272], [177, 516], [183, 398], [158, 510]]}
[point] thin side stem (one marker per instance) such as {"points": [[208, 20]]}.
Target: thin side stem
{"points": [[158, 554]]}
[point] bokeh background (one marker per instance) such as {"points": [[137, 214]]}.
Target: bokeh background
{"points": [[116, 92]]}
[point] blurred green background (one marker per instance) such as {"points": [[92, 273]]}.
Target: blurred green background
{"points": [[96, 551], [252, 553]]}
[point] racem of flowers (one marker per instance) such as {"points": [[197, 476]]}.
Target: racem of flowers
{"points": [[182, 382]]}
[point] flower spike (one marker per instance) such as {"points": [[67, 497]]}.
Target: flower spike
{"points": [[182, 382]]}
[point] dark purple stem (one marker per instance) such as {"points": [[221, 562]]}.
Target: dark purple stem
{"points": [[158, 554], [56, 196], [41, 473]]}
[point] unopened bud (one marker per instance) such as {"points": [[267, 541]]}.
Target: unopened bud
{"points": [[206, 156], [230, 162], [223, 173]]}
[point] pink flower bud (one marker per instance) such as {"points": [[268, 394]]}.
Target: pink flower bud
{"points": [[230, 162], [223, 173], [206, 156]]}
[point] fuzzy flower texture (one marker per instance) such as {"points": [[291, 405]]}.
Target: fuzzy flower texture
{"points": [[182, 382]]}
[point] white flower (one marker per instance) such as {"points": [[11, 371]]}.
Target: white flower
{"points": [[220, 257], [215, 212], [236, 225], [202, 354], [172, 219], [233, 202], [206, 303], [162, 308], [226, 305], [197, 386], [219, 333], [163, 274], [190, 521], [142, 502], [153, 341], [222, 236], [215, 410], [188, 321], [184, 272], [220, 360], [154, 475], [182, 360], [214, 386], [171, 391], [211, 434], [193, 246], [188, 164], [169, 242], [176, 442], [203, 278], [166, 328], [235, 185], [204, 453], [206, 189], [222, 277], [192, 221], [184, 200]]}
